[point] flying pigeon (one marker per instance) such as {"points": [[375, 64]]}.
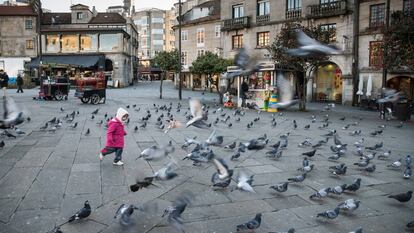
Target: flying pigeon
{"points": [[176, 209], [214, 139], [12, 115], [222, 177], [309, 47], [82, 213], [244, 183], [199, 117], [125, 210], [141, 184]]}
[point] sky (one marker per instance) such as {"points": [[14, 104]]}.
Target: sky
{"points": [[101, 5]]}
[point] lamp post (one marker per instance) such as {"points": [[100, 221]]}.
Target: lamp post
{"points": [[179, 50]]}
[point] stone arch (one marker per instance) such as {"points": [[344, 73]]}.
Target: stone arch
{"points": [[327, 83], [403, 83]]}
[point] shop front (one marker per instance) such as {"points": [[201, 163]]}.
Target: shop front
{"points": [[327, 85]]}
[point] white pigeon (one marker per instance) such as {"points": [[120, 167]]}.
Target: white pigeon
{"points": [[245, 183], [349, 205], [13, 116], [199, 117]]}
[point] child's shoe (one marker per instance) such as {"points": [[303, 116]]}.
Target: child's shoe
{"points": [[101, 156], [119, 163]]}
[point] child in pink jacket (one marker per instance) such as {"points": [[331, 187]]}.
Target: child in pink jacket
{"points": [[115, 137]]}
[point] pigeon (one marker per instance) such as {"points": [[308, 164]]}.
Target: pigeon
{"points": [[355, 133], [358, 230], [349, 205], [165, 173], [154, 152], [338, 190], [199, 117], [250, 225], [230, 146], [141, 184], [384, 155], [143, 125], [222, 177], [274, 154], [214, 140], [390, 95], [87, 132], [295, 125], [298, 179], [310, 153], [291, 230], [407, 172], [370, 169], [82, 213], [402, 197], [189, 141], [307, 169], [244, 183], [92, 117], [125, 210], [100, 123], [200, 156], [408, 160], [305, 162], [375, 147], [338, 169], [329, 214], [74, 125], [44, 127], [309, 47], [176, 209], [236, 155], [95, 112], [307, 127], [8, 134], [281, 187], [2, 144], [285, 91], [354, 186], [321, 193]]}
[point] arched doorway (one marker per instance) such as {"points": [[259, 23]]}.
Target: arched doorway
{"points": [[403, 84], [328, 83]]}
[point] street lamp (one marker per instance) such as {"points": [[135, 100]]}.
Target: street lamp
{"points": [[179, 50]]}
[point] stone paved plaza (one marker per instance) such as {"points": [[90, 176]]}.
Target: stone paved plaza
{"points": [[45, 177]]}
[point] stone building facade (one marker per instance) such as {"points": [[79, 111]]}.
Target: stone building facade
{"points": [[82, 32], [201, 32], [17, 38], [372, 18], [254, 25]]}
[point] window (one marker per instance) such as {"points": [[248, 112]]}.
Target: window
{"points": [[238, 11], [263, 7], [52, 43], [407, 7], [158, 42], [70, 43], [108, 42], [157, 31], [184, 58], [294, 5], [29, 24], [144, 20], [79, 15], [157, 20], [184, 35], [89, 42], [375, 54], [217, 31], [262, 39], [237, 41], [200, 52], [377, 15], [327, 1], [331, 29], [200, 37], [29, 44]]}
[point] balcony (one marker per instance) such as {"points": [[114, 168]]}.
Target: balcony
{"points": [[294, 14], [236, 23], [327, 9], [262, 19]]}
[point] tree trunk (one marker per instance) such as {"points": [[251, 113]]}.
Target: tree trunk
{"points": [[161, 80], [219, 93], [301, 90]]}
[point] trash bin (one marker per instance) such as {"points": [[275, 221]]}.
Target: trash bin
{"points": [[402, 111]]}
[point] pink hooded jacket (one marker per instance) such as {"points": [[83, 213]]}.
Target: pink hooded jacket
{"points": [[115, 133]]}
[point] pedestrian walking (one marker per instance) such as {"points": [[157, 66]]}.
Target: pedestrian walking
{"points": [[4, 81], [19, 83], [244, 90], [115, 137]]}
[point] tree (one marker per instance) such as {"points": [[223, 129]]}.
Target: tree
{"points": [[167, 62], [211, 64], [398, 42], [302, 66]]}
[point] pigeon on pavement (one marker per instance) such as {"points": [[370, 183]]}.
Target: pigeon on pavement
{"points": [[329, 214], [402, 197], [281, 187], [176, 209], [250, 225], [349, 205], [82, 213]]}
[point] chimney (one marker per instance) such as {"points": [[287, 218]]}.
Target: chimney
{"points": [[94, 12]]}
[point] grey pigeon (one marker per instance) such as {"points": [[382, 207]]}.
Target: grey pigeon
{"points": [[165, 173], [354, 186], [329, 214], [349, 205], [125, 210], [338, 190], [250, 225], [176, 209], [231, 146], [410, 224], [214, 139], [321, 193], [402, 197], [298, 179], [407, 172], [358, 230], [281, 187]]}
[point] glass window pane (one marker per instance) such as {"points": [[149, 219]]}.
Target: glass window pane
{"points": [[89, 42], [52, 43], [108, 42], [70, 43]]}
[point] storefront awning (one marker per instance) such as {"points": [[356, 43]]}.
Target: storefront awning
{"points": [[81, 61]]}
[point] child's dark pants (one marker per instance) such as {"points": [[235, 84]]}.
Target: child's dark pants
{"points": [[110, 150]]}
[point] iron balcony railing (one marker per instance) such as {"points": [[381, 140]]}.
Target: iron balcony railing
{"points": [[327, 9], [236, 23]]}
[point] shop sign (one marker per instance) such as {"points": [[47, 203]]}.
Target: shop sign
{"points": [[267, 66]]}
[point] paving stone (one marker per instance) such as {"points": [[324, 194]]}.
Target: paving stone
{"points": [[36, 221], [86, 226], [14, 155], [8, 206], [84, 183], [35, 157], [263, 169], [286, 202], [17, 182]]}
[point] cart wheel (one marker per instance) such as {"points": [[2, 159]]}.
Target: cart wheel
{"points": [[58, 95], [85, 100], [95, 99]]}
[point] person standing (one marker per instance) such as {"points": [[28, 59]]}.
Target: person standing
{"points": [[244, 90], [19, 83], [4, 81]]}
